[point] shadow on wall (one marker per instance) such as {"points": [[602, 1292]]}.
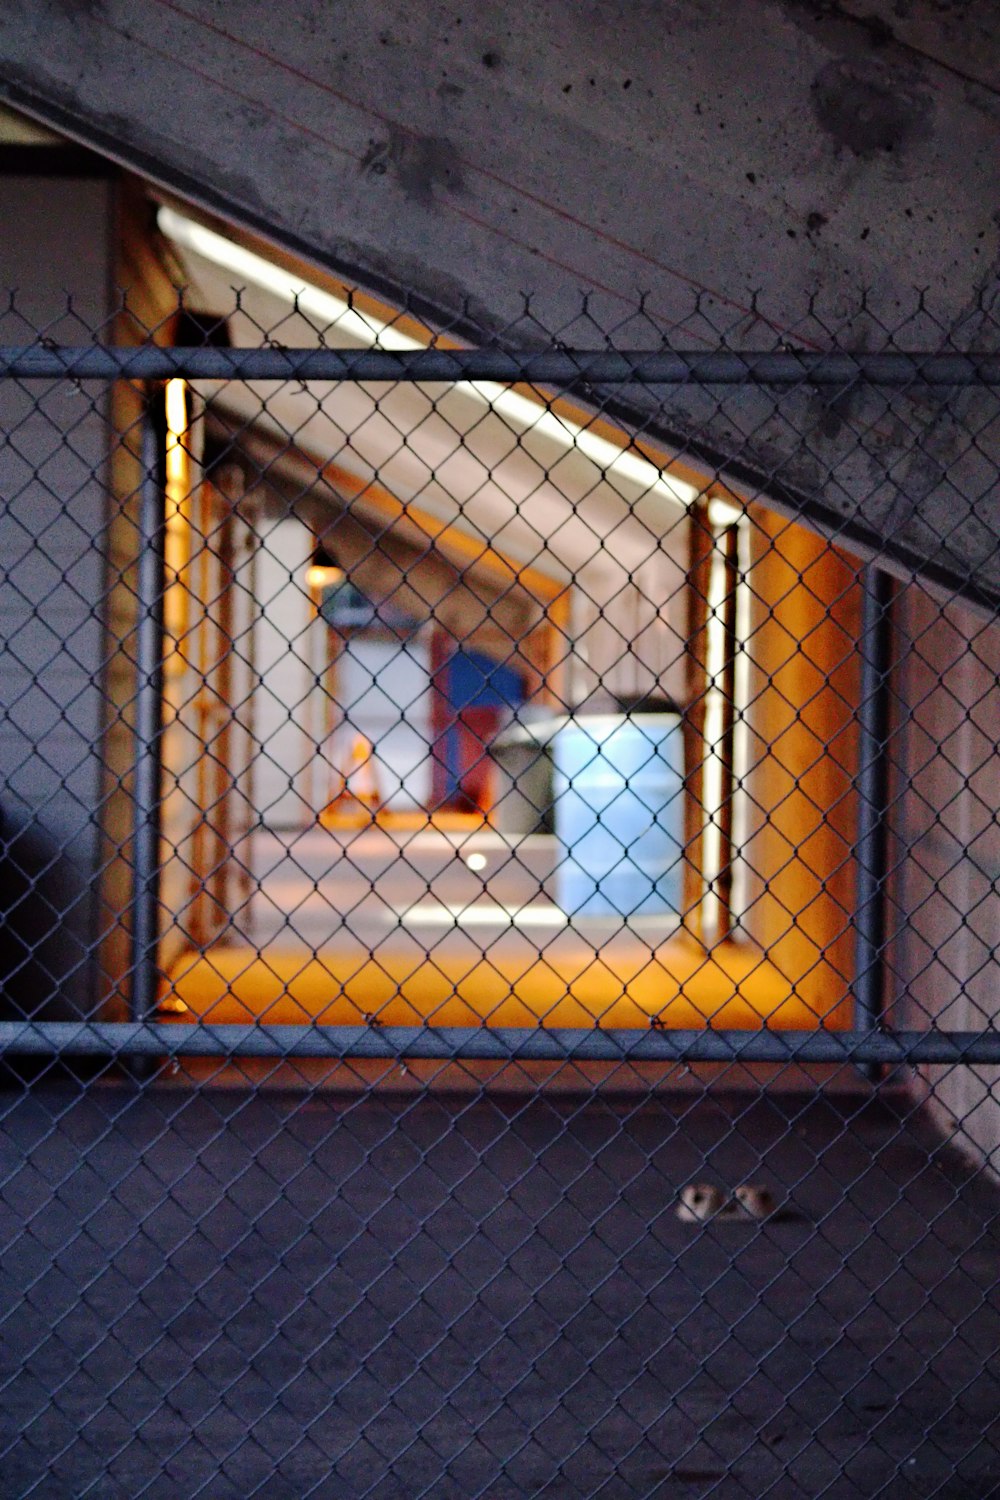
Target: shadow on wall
{"points": [[45, 916]]}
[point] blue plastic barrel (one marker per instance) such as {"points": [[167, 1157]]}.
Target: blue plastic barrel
{"points": [[619, 814]]}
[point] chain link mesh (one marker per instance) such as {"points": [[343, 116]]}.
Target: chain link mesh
{"points": [[500, 911]]}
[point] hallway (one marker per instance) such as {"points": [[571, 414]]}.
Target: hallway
{"points": [[452, 928]]}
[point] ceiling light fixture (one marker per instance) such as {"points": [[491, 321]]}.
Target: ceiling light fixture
{"points": [[324, 571]]}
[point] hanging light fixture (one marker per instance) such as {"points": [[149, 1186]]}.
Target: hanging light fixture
{"points": [[324, 571]]}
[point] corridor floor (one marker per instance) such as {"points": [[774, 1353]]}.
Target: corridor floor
{"points": [[275, 1294]]}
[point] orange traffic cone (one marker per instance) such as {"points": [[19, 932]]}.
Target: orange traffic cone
{"points": [[358, 799]]}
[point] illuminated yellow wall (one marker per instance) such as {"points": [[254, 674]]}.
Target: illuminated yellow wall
{"points": [[802, 755]]}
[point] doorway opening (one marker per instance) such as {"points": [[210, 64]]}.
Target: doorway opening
{"points": [[478, 708]]}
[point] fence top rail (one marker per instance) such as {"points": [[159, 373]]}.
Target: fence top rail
{"points": [[559, 366]]}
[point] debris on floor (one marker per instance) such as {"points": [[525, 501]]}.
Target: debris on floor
{"points": [[700, 1201]]}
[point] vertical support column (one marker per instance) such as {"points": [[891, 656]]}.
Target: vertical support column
{"points": [[148, 711], [872, 795], [800, 776]]}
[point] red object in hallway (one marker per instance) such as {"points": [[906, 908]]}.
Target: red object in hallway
{"points": [[474, 697], [470, 736]]}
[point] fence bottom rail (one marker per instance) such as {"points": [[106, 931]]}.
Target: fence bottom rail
{"points": [[497, 1044]]}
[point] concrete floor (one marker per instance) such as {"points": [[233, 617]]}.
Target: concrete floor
{"points": [[279, 1295], [342, 924]]}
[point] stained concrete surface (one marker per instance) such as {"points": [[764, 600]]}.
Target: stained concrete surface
{"points": [[780, 160], [231, 1294]]}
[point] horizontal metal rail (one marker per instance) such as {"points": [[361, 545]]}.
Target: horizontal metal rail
{"points": [[557, 367], [491, 1044]]}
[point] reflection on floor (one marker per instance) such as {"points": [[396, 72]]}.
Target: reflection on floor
{"points": [[456, 928]]}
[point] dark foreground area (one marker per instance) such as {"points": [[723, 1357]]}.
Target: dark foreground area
{"points": [[228, 1294]]}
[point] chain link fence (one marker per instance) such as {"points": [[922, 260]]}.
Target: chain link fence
{"points": [[500, 856]]}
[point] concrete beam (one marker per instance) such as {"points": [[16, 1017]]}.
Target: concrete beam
{"points": [[795, 149]]}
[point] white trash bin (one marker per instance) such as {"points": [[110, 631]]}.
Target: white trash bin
{"points": [[619, 814]]}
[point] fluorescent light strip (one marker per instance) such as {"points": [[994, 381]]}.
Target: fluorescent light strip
{"points": [[327, 309], [493, 914], [438, 914]]}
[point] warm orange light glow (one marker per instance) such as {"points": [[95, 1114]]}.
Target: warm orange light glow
{"points": [[175, 403], [176, 406], [359, 798], [178, 541], [320, 576], [456, 985]]}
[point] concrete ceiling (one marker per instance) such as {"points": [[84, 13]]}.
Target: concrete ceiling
{"points": [[461, 154], [502, 471]]}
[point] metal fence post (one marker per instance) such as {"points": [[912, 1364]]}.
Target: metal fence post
{"points": [[148, 710], [875, 647]]}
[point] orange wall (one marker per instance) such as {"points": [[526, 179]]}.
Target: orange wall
{"points": [[803, 752]]}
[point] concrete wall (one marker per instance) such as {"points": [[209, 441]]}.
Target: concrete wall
{"points": [[53, 517], [945, 903], [465, 153]]}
